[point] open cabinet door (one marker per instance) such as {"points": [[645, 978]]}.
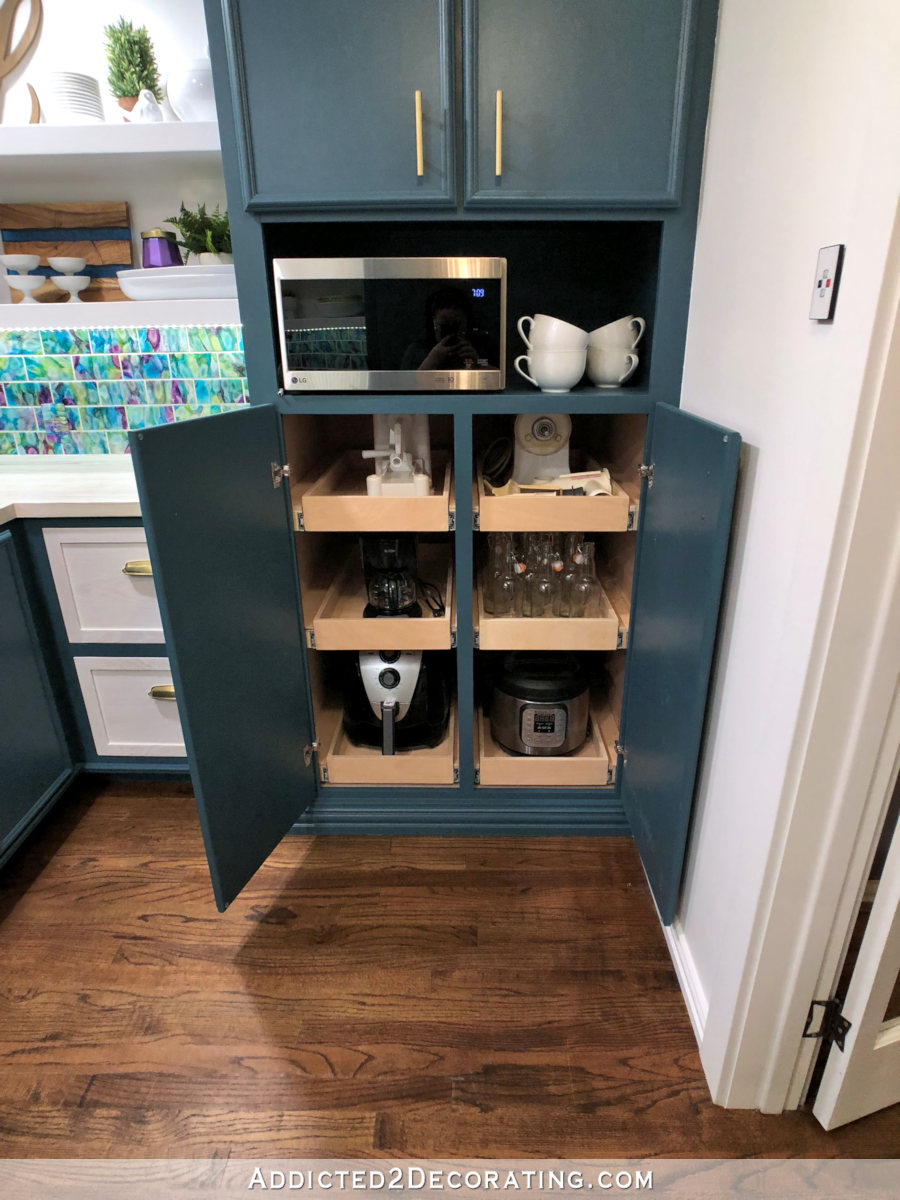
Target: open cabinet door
{"points": [[865, 1075], [685, 525], [221, 544]]}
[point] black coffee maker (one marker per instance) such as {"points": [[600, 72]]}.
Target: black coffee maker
{"points": [[391, 574]]}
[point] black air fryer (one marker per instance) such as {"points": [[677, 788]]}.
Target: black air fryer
{"points": [[397, 700]]}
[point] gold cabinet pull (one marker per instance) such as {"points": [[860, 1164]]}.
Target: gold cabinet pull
{"points": [[420, 152], [162, 691], [138, 566], [498, 135]]}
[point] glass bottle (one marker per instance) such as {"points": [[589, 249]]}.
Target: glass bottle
{"points": [[506, 585], [571, 564], [586, 586], [496, 565]]}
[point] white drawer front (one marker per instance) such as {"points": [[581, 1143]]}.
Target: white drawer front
{"points": [[124, 718], [99, 602]]}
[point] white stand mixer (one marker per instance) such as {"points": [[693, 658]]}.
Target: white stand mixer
{"points": [[541, 447]]}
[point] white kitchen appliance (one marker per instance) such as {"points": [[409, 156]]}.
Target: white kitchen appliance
{"points": [[541, 451]]}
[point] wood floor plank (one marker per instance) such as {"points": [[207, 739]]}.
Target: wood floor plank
{"points": [[363, 996]]}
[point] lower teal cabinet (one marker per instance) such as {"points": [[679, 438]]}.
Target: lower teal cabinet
{"points": [[35, 763]]}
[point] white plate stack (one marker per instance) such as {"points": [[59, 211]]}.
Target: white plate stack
{"points": [[198, 282], [70, 99]]}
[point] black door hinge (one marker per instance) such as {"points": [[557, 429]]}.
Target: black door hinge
{"points": [[832, 1027]]}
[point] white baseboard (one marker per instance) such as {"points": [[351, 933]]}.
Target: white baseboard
{"points": [[688, 979]]}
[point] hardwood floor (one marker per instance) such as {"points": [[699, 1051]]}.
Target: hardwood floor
{"points": [[365, 996]]}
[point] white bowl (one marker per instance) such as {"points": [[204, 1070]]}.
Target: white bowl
{"points": [[20, 262], [66, 266], [182, 284]]}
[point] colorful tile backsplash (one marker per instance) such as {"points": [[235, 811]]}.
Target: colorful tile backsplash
{"points": [[79, 391]]}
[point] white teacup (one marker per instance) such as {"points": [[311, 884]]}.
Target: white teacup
{"points": [[552, 370], [626, 332], [550, 333], [610, 366]]}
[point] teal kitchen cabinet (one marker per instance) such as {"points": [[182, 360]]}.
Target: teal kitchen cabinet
{"points": [[332, 97], [35, 763], [237, 586], [347, 104]]}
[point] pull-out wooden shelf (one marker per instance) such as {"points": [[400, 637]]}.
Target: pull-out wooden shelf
{"points": [[602, 631], [352, 765], [530, 513], [593, 765], [337, 501], [339, 623]]}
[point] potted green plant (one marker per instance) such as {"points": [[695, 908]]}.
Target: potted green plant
{"points": [[205, 235], [132, 63]]}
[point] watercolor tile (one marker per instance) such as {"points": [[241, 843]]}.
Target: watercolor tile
{"points": [[20, 341], [58, 418], [83, 366], [64, 392], [106, 366], [215, 337], [185, 412], [230, 366], [168, 391], [48, 366], [164, 340], [209, 391], [122, 391], [22, 392], [8, 444], [19, 419], [89, 443], [65, 341], [142, 417], [12, 368], [59, 443], [118, 443], [30, 443], [115, 341], [191, 366], [106, 416]]}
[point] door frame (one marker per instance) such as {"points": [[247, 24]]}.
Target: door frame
{"points": [[825, 838]]}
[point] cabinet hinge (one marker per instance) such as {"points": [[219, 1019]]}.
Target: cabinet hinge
{"points": [[308, 752], [620, 749], [832, 1027], [647, 473], [280, 472]]}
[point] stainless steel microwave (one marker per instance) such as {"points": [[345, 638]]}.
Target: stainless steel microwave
{"points": [[391, 324]]}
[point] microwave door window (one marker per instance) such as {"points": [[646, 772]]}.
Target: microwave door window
{"points": [[325, 326]]}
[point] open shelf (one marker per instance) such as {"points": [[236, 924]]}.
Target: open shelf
{"points": [[344, 763], [118, 314], [79, 152], [336, 500], [592, 765], [601, 631], [339, 624]]}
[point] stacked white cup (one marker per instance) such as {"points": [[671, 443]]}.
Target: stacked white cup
{"points": [[610, 354], [557, 352]]}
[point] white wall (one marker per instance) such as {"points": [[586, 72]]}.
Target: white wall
{"points": [[802, 152]]}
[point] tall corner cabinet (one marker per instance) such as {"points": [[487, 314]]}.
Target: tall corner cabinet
{"points": [[568, 139]]}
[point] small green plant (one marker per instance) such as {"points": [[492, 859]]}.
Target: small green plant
{"points": [[201, 231], [132, 63]]}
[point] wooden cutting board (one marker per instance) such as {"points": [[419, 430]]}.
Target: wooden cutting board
{"points": [[98, 232]]}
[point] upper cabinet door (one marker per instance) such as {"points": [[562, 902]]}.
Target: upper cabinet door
{"points": [[324, 94], [592, 98], [685, 525], [220, 540]]}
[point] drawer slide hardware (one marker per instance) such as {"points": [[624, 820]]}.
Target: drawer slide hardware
{"points": [[832, 1027], [647, 473], [308, 752], [280, 473]]}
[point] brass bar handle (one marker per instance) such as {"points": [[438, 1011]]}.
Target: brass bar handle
{"points": [[138, 566], [498, 135], [420, 150], [162, 691]]}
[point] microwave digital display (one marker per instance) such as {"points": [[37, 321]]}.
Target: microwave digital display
{"points": [[391, 324]]}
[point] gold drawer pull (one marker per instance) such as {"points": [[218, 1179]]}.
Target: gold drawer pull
{"points": [[162, 691], [498, 135], [138, 566], [420, 155]]}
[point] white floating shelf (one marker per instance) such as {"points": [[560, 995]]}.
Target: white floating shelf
{"points": [[119, 313]]}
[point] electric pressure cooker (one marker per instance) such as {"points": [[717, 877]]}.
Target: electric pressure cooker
{"points": [[540, 703]]}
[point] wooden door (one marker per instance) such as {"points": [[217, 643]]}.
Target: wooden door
{"points": [[685, 523], [865, 1075], [324, 93], [594, 101], [221, 543]]}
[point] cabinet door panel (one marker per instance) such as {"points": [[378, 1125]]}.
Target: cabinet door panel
{"points": [[685, 527], [325, 101], [222, 549], [595, 94], [35, 758]]}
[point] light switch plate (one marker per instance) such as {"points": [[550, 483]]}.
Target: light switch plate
{"points": [[828, 271]]}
